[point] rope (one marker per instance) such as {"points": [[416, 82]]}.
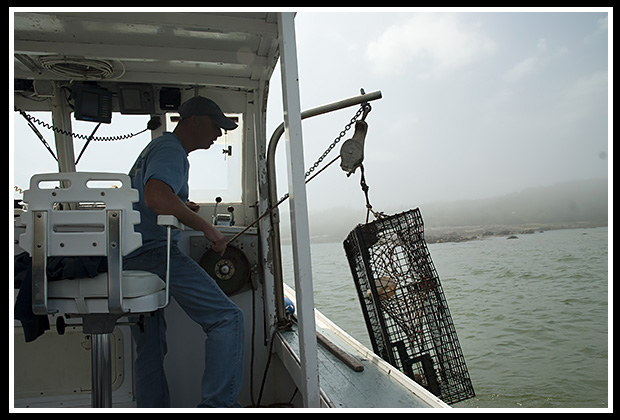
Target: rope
{"points": [[364, 109]]}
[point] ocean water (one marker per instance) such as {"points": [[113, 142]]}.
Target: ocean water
{"points": [[531, 313]]}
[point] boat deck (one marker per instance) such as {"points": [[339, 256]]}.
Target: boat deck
{"points": [[378, 385]]}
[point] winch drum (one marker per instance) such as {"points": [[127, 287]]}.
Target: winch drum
{"points": [[230, 271], [235, 271]]}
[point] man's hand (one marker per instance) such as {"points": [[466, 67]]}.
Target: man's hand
{"points": [[192, 206], [217, 238]]}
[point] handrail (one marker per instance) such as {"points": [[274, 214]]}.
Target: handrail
{"points": [[273, 193]]}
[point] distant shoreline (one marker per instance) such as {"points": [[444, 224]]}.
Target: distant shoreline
{"points": [[446, 234], [567, 205], [435, 235]]}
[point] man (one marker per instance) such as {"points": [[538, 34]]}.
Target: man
{"points": [[160, 174]]}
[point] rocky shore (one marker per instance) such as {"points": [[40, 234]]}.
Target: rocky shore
{"points": [[471, 233]]}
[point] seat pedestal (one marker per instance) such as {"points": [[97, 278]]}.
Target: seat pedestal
{"points": [[100, 327]]}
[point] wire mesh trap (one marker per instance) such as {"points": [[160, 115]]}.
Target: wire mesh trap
{"points": [[404, 306]]}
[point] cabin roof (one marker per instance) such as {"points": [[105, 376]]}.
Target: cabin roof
{"points": [[230, 50]]}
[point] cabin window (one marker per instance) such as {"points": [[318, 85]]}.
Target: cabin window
{"points": [[216, 172], [31, 157], [111, 156]]}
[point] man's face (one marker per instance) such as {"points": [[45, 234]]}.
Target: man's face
{"points": [[207, 131]]}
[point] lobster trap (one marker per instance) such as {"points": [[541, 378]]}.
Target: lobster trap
{"points": [[404, 306]]}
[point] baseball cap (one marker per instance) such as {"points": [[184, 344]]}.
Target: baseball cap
{"points": [[199, 105]]}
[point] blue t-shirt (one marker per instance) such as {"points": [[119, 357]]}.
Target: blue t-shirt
{"points": [[165, 159]]}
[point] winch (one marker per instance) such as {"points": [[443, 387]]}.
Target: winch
{"points": [[231, 271], [236, 270]]}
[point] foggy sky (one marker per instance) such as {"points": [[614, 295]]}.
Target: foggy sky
{"points": [[474, 105]]}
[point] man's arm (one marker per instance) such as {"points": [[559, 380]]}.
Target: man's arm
{"points": [[159, 197]]}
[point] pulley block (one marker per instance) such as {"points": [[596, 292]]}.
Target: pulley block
{"points": [[352, 150]]}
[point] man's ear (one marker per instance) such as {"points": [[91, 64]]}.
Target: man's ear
{"points": [[194, 121]]}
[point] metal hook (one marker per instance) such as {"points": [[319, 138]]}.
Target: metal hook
{"points": [[367, 109], [365, 105]]}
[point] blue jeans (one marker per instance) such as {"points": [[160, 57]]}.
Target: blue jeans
{"points": [[205, 303]]}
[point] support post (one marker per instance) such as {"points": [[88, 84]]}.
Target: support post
{"points": [[298, 211], [101, 370], [61, 117]]}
